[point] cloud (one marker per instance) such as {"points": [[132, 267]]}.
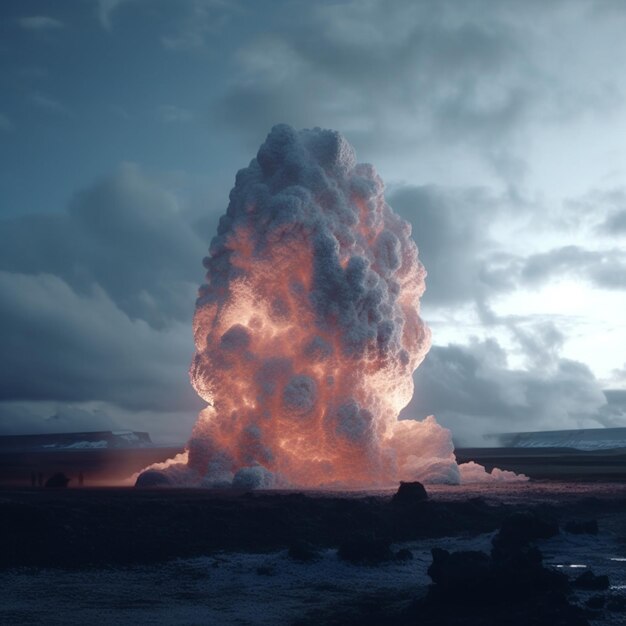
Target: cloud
{"points": [[611, 204], [408, 69], [96, 304], [450, 91], [469, 261], [62, 346], [615, 223], [40, 23], [598, 212], [435, 81], [614, 414], [472, 391], [452, 230], [125, 234], [603, 268]]}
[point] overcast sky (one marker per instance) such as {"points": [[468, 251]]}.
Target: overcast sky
{"points": [[497, 126]]}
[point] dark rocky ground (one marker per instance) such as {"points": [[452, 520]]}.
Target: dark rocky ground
{"points": [[94, 527], [509, 585]]}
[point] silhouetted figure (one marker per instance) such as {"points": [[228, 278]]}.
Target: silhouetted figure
{"points": [[40, 479], [57, 481], [33, 479], [81, 479]]}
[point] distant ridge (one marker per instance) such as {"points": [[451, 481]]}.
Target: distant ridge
{"points": [[578, 439], [81, 440]]}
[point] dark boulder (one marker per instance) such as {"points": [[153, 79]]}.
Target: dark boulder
{"points": [[409, 494], [152, 478], [512, 588], [518, 570], [519, 529], [577, 527], [465, 573], [512, 573], [588, 580], [365, 549], [57, 481]]}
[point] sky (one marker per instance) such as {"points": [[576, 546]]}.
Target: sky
{"points": [[496, 125]]}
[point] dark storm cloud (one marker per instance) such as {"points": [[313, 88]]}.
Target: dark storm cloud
{"points": [[418, 75], [451, 227], [472, 391], [59, 345], [125, 234], [420, 68], [96, 302]]}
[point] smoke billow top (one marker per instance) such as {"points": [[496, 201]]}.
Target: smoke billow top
{"points": [[307, 331]]}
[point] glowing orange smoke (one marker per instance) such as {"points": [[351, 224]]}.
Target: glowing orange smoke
{"points": [[307, 331]]}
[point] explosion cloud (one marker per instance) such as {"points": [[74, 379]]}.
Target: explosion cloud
{"points": [[307, 331]]}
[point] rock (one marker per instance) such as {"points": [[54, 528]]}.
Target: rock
{"points": [[57, 481], [588, 527], [464, 573], [365, 549], [596, 602], [514, 571], [588, 580], [404, 554], [519, 529], [152, 478], [514, 588], [303, 551], [409, 494]]}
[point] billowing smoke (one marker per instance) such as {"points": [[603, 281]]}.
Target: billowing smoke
{"points": [[308, 332]]}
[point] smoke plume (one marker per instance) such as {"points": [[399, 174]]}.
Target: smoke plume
{"points": [[307, 331]]}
